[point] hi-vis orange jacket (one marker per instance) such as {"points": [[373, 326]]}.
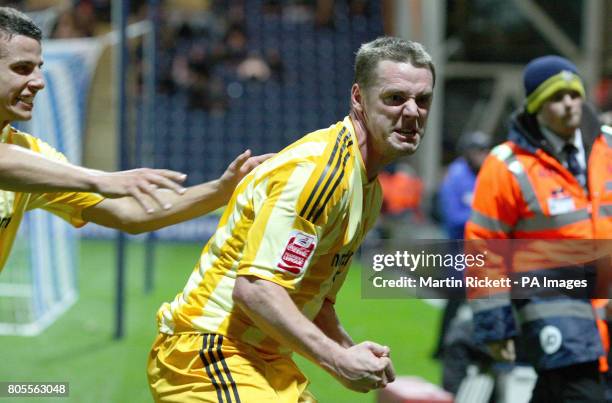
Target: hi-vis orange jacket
{"points": [[523, 192]]}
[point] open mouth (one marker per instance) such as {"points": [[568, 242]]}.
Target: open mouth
{"points": [[407, 135], [28, 102]]}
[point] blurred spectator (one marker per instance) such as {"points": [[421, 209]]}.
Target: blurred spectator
{"points": [[402, 190], [209, 53], [603, 97], [254, 67], [402, 193], [457, 189], [78, 21], [603, 94], [455, 205], [235, 45]]}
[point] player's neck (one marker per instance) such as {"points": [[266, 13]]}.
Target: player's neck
{"points": [[372, 164]]}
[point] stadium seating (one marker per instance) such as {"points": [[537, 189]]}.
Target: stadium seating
{"points": [[311, 93]]}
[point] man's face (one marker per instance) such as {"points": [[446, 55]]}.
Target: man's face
{"points": [[395, 108], [562, 113], [20, 77]]}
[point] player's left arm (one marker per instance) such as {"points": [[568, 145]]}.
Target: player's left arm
{"points": [[327, 320], [126, 214]]}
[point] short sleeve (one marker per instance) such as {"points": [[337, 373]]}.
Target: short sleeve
{"points": [[69, 205], [66, 205]]}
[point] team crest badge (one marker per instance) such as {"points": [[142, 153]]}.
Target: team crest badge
{"points": [[297, 253]]}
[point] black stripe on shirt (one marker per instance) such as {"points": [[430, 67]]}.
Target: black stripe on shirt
{"points": [[325, 195], [324, 173], [331, 192]]}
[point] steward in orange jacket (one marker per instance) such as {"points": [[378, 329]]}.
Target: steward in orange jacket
{"points": [[550, 185]]}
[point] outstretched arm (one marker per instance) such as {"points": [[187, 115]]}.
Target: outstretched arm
{"points": [[125, 213], [22, 170], [360, 367]]}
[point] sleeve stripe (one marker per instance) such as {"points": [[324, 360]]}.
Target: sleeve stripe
{"points": [[550, 309], [488, 303], [342, 156], [489, 223], [605, 210], [331, 192], [545, 223], [322, 177], [331, 159]]}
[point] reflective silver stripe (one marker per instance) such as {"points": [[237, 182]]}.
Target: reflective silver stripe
{"points": [[542, 222], [609, 185], [563, 308], [607, 131], [504, 153], [484, 304], [529, 195], [605, 211], [489, 223]]}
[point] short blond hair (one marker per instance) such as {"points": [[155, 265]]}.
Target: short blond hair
{"points": [[389, 48]]}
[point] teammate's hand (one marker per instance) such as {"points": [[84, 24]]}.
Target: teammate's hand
{"points": [[239, 168], [360, 369], [502, 350], [137, 183]]}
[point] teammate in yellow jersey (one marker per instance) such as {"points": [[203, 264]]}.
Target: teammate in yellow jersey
{"points": [[34, 175], [266, 283]]}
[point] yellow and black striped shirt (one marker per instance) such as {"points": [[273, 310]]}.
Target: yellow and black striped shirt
{"points": [[296, 220]]}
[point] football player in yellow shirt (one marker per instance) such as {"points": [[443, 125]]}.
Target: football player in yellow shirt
{"points": [[266, 283], [34, 175]]}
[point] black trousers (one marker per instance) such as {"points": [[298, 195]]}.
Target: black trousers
{"points": [[580, 383]]}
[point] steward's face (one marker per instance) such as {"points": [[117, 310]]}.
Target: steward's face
{"points": [[20, 77], [562, 113]]}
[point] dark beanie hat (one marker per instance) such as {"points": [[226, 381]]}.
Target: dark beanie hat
{"points": [[546, 75]]}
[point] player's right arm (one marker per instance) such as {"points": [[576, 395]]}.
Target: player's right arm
{"points": [[22, 170], [328, 322], [360, 367]]}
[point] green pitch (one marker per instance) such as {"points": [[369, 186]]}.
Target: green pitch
{"points": [[79, 347]]}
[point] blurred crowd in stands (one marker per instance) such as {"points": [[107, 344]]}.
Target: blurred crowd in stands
{"points": [[203, 43], [205, 48]]}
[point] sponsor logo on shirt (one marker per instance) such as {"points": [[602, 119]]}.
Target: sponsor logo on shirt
{"points": [[297, 252]]}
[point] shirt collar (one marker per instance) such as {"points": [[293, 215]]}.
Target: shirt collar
{"points": [[558, 143], [348, 123], [4, 133]]}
